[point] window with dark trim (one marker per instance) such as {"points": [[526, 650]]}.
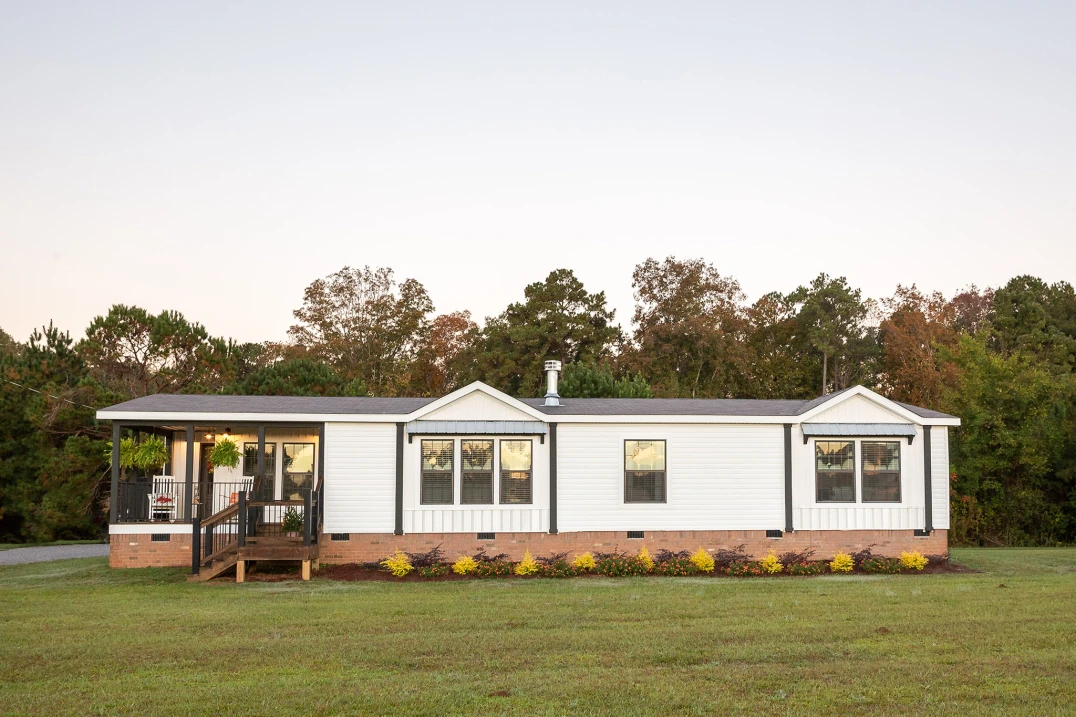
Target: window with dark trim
{"points": [[437, 461], [644, 471], [835, 471], [476, 472], [516, 471], [881, 471], [250, 459]]}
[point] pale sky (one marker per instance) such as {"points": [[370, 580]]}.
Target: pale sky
{"points": [[215, 158]]}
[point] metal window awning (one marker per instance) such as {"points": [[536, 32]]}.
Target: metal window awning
{"points": [[857, 430], [476, 428]]}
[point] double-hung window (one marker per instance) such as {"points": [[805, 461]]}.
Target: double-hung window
{"points": [[644, 471], [437, 466], [476, 472], [835, 471], [881, 471], [516, 472]]}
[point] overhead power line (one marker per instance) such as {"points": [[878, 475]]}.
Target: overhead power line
{"points": [[58, 398]]}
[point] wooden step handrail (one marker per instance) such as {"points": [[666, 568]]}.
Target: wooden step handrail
{"points": [[221, 515]]}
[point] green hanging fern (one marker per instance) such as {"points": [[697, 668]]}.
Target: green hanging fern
{"points": [[225, 454], [151, 454]]}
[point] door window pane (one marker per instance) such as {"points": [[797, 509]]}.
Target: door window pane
{"points": [[298, 473]]}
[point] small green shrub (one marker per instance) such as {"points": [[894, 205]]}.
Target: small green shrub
{"points": [[882, 565], [558, 569], [292, 521], [492, 568], [812, 568], [433, 571], [745, 569], [618, 566], [676, 567]]}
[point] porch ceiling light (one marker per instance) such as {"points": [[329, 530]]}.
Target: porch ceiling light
{"points": [[209, 436]]}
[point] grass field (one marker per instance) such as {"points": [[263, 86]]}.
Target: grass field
{"points": [[78, 638]]}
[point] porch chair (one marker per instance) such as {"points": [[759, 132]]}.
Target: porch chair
{"points": [[163, 499]]}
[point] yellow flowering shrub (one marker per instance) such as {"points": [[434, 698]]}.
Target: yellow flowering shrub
{"points": [[528, 565], [771, 565], [913, 560], [584, 561], [644, 558], [398, 564], [702, 560], [464, 565], [842, 563]]}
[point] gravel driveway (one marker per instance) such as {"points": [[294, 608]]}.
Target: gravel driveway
{"points": [[16, 556]]}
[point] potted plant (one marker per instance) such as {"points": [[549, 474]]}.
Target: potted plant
{"points": [[151, 454], [292, 523]]}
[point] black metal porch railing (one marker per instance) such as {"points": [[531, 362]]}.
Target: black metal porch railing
{"points": [[166, 500], [248, 518]]}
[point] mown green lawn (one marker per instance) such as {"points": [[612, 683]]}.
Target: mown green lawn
{"points": [[78, 638]]}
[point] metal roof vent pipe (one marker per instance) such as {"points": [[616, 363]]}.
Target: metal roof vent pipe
{"points": [[552, 370]]}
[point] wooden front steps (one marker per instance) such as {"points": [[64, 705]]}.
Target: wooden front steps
{"points": [[266, 549]]}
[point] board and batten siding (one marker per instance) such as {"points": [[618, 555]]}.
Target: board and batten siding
{"points": [[459, 518], [908, 514], [718, 477], [360, 477]]}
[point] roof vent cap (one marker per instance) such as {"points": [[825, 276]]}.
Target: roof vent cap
{"points": [[552, 371]]}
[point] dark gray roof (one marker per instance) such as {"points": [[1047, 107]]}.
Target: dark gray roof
{"points": [[189, 403], [170, 403]]}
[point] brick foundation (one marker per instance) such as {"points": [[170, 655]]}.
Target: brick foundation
{"points": [[368, 547], [140, 551]]}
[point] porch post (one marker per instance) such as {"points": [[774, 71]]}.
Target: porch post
{"points": [[259, 475], [189, 470], [113, 503], [553, 479], [399, 478], [928, 502], [321, 457], [788, 478]]}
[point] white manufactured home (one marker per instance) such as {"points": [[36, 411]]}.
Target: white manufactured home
{"points": [[480, 469]]}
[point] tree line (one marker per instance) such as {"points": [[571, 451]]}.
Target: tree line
{"points": [[1001, 359]]}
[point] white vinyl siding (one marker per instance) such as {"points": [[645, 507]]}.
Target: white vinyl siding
{"points": [[360, 477], [718, 477], [939, 475]]}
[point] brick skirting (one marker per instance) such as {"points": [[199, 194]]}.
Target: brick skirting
{"points": [[141, 551], [368, 547]]}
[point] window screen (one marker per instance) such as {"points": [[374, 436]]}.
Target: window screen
{"points": [[644, 471], [835, 471], [437, 472], [250, 459], [881, 471], [516, 471], [476, 467]]}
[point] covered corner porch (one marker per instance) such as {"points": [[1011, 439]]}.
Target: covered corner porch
{"points": [[266, 507]]}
